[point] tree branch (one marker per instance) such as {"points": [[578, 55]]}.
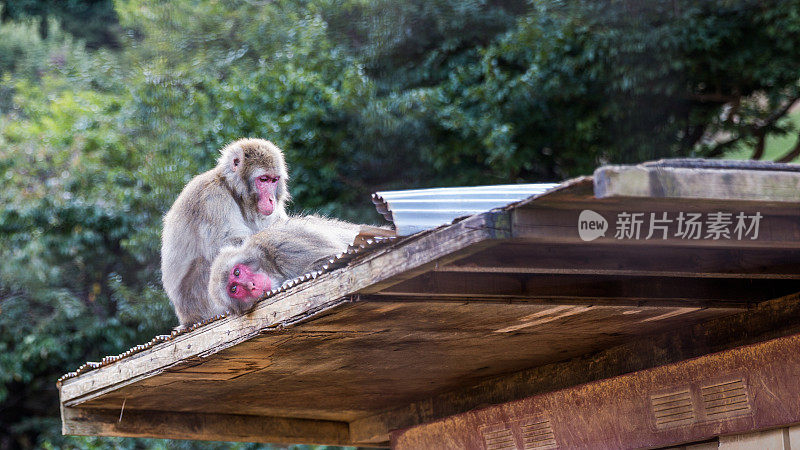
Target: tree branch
{"points": [[791, 154], [692, 135], [758, 151], [759, 130], [719, 149], [780, 112]]}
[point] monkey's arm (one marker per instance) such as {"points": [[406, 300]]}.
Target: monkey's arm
{"points": [[222, 225], [367, 232]]}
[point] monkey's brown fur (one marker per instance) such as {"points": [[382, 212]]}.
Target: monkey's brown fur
{"points": [[215, 209], [289, 249]]}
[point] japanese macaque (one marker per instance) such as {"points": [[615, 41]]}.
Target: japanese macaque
{"points": [[244, 194], [290, 248]]}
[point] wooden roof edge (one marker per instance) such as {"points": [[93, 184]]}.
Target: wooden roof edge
{"points": [[715, 182], [580, 187], [680, 179], [374, 271], [202, 426]]}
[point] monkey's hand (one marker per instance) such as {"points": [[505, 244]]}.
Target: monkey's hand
{"points": [[367, 232]]}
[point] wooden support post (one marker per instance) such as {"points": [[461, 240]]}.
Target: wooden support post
{"points": [[218, 427]]}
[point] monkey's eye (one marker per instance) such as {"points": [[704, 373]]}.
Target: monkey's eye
{"points": [[236, 272], [266, 178], [234, 288]]}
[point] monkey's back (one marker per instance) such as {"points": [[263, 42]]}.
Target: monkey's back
{"points": [[299, 245], [192, 236]]}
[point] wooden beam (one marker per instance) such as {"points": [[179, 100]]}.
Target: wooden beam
{"points": [[692, 183], [598, 259], [382, 268], [198, 426], [594, 302], [768, 320], [583, 288], [545, 222]]}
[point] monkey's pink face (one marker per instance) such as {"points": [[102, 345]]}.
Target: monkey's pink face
{"points": [[267, 187], [246, 285]]}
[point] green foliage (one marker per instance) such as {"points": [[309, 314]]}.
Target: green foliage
{"points": [[776, 143], [66, 266], [571, 85], [418, 43], [96, 144], [25, 54], [93, 21]]}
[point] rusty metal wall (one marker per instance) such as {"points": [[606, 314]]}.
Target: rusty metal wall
{"points": [[746, 389]]}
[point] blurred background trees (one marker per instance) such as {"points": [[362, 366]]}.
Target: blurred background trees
{"points": [[107, 108]]}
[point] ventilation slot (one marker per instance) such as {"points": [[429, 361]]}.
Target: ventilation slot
{"points": [[537, 434], [725, 399], [498, 439], [672, 409]]}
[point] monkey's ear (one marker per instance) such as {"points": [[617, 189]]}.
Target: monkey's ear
{"points": [[236, 159]]}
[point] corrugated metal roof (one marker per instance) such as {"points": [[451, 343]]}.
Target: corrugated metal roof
{"points": [[416, 210]]}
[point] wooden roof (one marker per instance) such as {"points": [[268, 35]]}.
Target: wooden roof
{"points": [[327, 360]]}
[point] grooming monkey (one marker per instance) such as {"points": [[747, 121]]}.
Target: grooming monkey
{"points": [[290, 248], [244, 194]]}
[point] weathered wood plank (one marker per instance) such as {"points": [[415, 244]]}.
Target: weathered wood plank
{"points": [[579, 288], [675, 182], [559, 224], [768, 320], [286, 308], [580, 189], [465, 238], [367, 357], [671, 305], [196, 426], [588, 258]]}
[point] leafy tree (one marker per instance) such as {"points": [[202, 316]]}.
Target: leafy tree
{"points": [[93, 21], [571, 85], [95, 144]]}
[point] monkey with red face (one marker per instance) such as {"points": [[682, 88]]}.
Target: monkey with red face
{"points": [[244, 194], [240, 275]]}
